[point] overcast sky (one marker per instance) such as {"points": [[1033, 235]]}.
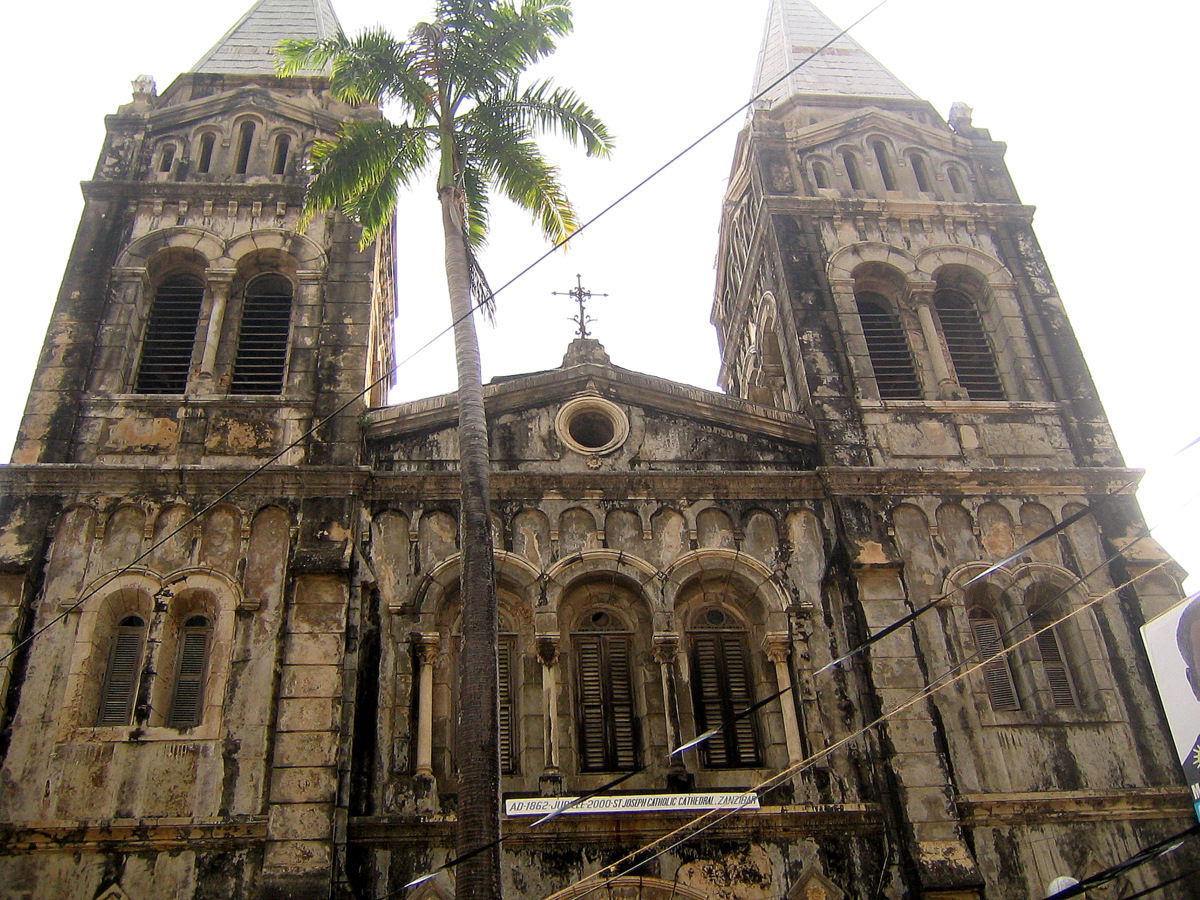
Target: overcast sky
{"points": [[1094, 103]]}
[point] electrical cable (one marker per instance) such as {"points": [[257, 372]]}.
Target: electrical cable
{"points": [[1141, 857]]}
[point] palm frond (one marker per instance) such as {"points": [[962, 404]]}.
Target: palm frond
{"points": [[475, 191], [363, 170], [518, 169], [545, 107], [482, 297]]}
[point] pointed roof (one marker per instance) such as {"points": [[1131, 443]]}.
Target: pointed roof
{"points": [[249, 46], [795, 29]]}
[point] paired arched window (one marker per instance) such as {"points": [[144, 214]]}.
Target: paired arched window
{"points": [[997, 675], [722, 688], [262, 346], [967, 343], [891, 359], [170, 336], [124, 669], [607, 718]]}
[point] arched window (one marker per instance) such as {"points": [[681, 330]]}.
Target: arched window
{"points": [[206, 151], [606, 717], [974, 364], [170, 336], [187, 695], [279, 162], [820, 175], [888, 349], [122, 672], [851, 166], [1054, 664], [263, 337], [1002, 692], [506, 653], [244, 145], [885, 165], [956, 180], [721, 689], [166, 157], [920, 171]]}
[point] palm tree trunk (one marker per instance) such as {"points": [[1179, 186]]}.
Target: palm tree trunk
{"points": [[477, 726]]}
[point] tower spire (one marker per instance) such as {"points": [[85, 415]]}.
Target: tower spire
{"points": [[248, 48], [795, 29]]}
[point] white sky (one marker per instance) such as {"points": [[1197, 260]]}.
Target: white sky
{"points": [[1093, 99]]}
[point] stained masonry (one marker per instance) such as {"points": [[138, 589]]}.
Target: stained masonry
{"points": [[255, 700]]}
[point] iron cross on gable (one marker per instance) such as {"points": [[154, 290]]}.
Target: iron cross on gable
{"points": [[580, 295]]}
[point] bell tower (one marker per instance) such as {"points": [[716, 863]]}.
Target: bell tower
{"points": [[199, 322]]}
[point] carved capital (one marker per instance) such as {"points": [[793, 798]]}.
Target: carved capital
{"points": [[547, 648], [778, 647], [666, 645], [426, 644]]}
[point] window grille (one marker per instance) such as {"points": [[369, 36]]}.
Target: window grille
{"points": [[263, 338], [997, 675], [608, 737], [187, 697], [721, 688], [888, 348], [1062, 691], [968, 345], [170, 337], [506, 656], [121, 675]]}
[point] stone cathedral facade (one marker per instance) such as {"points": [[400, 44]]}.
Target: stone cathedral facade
{"points": [[219, 683]]}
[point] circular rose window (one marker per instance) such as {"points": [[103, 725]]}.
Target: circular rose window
{"points": [[591, 426]]}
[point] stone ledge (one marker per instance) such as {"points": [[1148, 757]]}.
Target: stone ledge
{"points": [[1075, 806], [131, 835]]}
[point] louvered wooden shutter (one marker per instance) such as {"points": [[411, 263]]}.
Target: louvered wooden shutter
{"points": [[974, 363], [721, 687], [1062, 692], [188, 696], [1002, 692], [888, 348], [607, 723], [263, 338], [508, 724], [170, 337], [121, 676]]}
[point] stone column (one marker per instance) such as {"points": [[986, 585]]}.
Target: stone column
{"points": [[550, 781], [218, 288], [779, 650], [666, 648], [426, 646], [947, 386]]}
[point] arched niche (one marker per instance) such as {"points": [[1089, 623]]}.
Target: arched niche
{"points": [[738, 572]]}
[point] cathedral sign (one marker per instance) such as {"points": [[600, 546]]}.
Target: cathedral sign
{"points": [[631, 803]]}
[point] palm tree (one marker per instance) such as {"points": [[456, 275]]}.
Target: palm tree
{"points": [[457, 81]]}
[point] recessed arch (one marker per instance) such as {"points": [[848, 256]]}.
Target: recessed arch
{"points": [[307, 255], [843, 263], [207, 246]]}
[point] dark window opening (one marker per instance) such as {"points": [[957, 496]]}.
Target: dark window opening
{"points": [[851, 165], [206, 152], [885, 165], [121, 674], [970, 352], [507, 657], [887, 346], [187, 697], [245, 142], [167, 157], [170, 337], [591, 429], [997, 676], [721, 689], [263, 339], [920, 172], [282, 144], [608, 739], [820, 176], [956, 180]]}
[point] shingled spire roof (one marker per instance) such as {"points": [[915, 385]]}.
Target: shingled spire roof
{"points": [[249, 47], [795, 28]]}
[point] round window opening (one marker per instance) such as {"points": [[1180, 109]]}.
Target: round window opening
{"points": [[592, 425], [591, 429]]}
